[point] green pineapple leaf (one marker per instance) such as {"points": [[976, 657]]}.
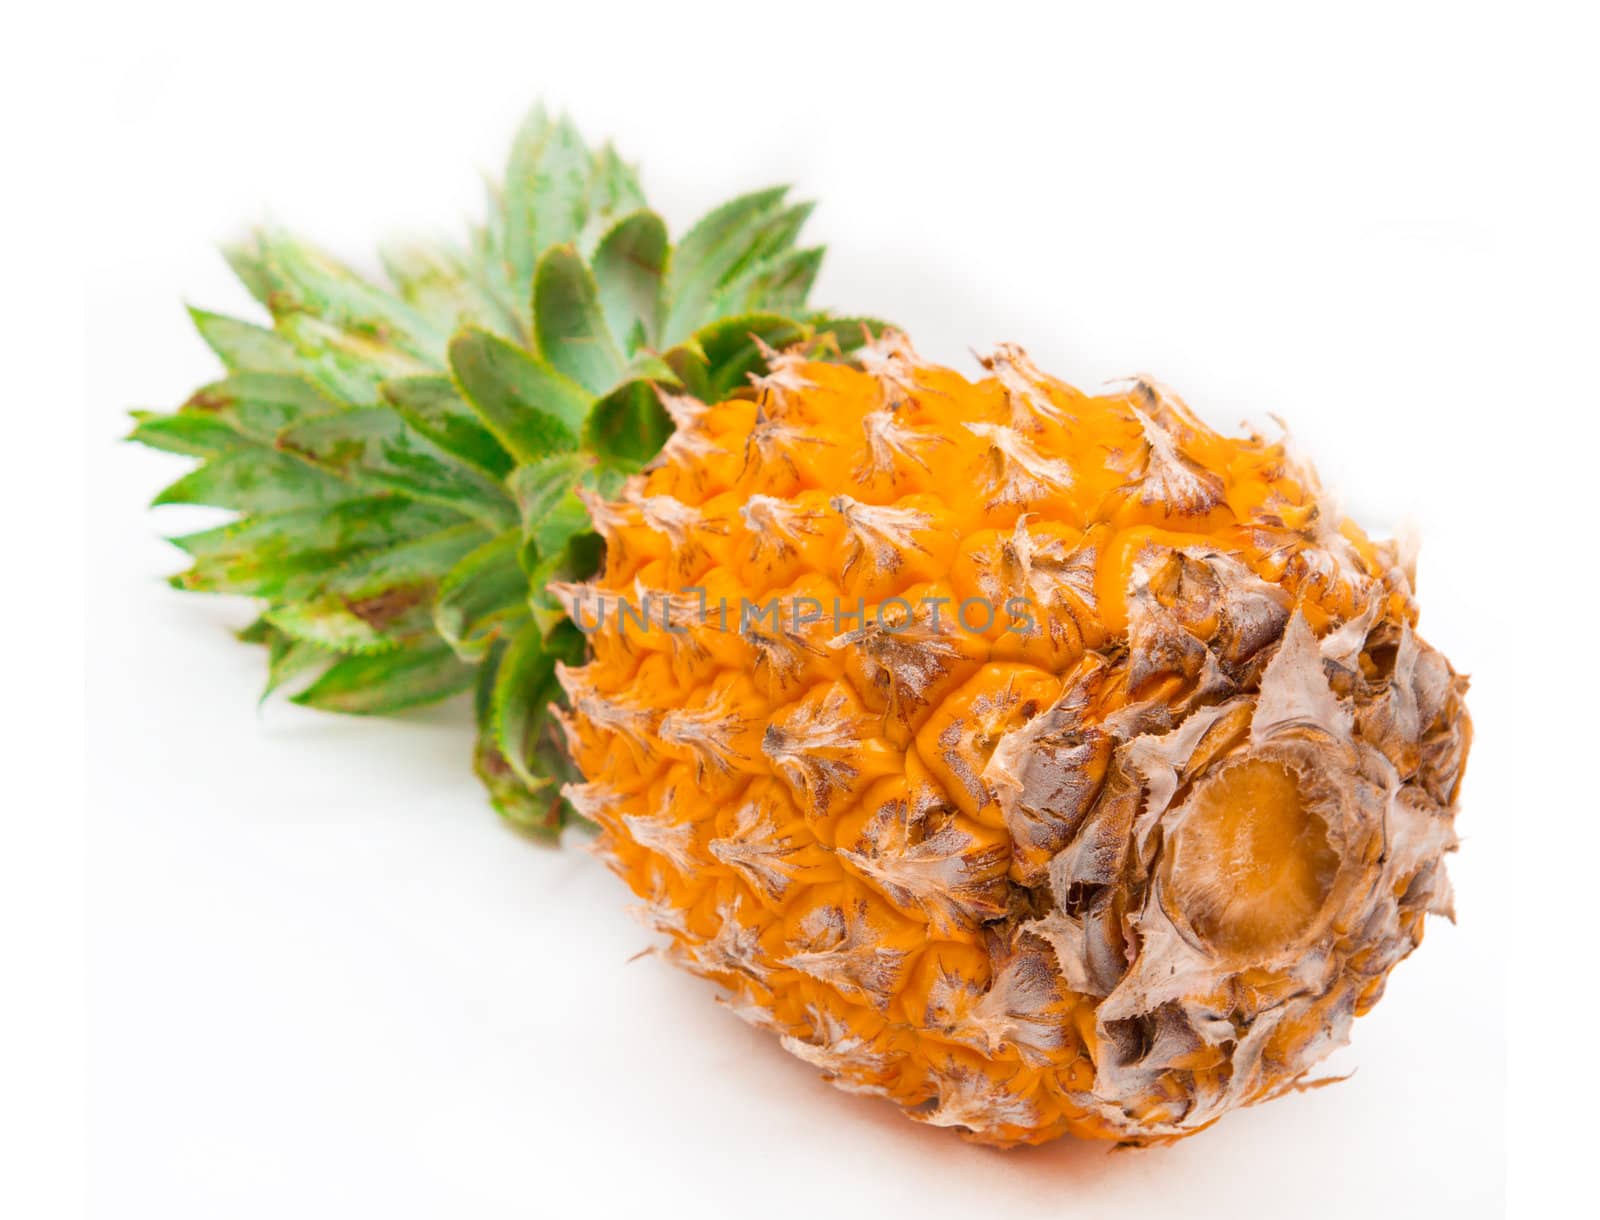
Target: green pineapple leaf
{"points": [[302, 281], [261, 405], [244, 346], [483, 598], [614, 191], [546, 192], [254, 479], [291, 554], [522, 729], [290, 660], [548, 504], [190, 435], [380, 600], [432, 405], [380, 683], [375, 447], [628, 426], [569, 323], [530, 407], [710, 253], [629, 269]]}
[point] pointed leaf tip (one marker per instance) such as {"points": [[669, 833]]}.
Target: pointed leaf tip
{"points": [[629, 269], [372, 684]]}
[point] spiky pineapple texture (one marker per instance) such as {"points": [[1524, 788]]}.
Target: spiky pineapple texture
{"points": [[405, 457], [1111, 799]]}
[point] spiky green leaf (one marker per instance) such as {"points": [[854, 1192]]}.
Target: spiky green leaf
{"points": [[290, 554], [289, 659], [542, 812], [743, 229], [261, 405], [254, 479], [351, 365], [523, 728], [381, 599], [371, 684], [301, 280], [531, 409], [244, 346], [483, 598], [569, 323], [375, 447], [552, 514], [546, 192], [777, 285], [444, 285], [629, 268], [628, 426], [614, 191], [189, 435], [434, 407]]}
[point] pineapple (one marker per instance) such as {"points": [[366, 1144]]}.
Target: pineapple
{"points": [[1042, 762], [1070, 766]]}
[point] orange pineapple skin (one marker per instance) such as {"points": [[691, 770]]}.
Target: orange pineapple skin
{"points": [[1130, 854]]}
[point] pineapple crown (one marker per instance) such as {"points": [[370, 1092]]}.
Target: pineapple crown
{"points": [[408, 460]]}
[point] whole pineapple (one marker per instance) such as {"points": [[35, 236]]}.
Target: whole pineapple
{"points": [[1039, 761]]}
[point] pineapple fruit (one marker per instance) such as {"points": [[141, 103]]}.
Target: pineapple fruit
{"points": [[1071, 768], [1041, 762]]}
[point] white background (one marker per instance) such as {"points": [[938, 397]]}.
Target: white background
{"points": [[324, 981]]}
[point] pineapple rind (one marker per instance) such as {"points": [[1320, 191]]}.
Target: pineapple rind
{"points": [[1115, 873]]}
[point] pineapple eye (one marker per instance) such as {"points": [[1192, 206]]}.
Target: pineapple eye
{"points": [[1251, 866]]}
